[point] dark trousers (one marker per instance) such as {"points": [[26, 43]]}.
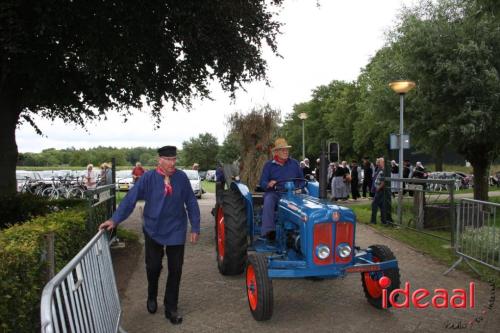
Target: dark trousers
{"points": [[175, 259], [271, 199], [378, 203], [367, 184], [355, 189]]}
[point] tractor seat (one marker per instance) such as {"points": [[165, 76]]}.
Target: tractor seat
{"points": [[258, 198]]}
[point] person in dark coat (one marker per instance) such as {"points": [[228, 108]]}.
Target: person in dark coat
{"points": [[355, 173], [169, 200], [367, 176]]}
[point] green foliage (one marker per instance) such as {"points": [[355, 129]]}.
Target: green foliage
{"points": [[72, 157], [202, 150], [23, 272], [229, 151], [76, 61], [22, 207]]}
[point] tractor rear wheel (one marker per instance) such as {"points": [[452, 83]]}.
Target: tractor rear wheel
{"points": [[259, 288], [231, 233], [370, 280]]}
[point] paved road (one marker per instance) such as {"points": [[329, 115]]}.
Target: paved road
{"points": [[212, 303]]}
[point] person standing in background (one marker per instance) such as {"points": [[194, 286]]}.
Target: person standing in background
{"points": [[138, 171], [367, 177], [90, 180], [355, 173]]}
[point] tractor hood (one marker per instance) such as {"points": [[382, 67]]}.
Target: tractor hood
{"points": [[311, 209]]}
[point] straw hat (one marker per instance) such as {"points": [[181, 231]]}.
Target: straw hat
{"points": [[280, 143]]}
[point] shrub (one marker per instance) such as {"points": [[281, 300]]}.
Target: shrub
{"points": [[22, 270], [15, 209]]}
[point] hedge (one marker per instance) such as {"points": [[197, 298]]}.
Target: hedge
{"points": [[22, 270], [21, 207]]}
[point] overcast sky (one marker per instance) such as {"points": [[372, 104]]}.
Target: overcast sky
{"points": [[332, 42]]}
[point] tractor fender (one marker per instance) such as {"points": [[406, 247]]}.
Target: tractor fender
{"points": [[247, 195]]}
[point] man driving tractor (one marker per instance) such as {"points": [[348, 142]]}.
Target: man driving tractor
{"points": [[275, 171]]}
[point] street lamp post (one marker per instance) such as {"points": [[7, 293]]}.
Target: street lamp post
{"points": [[401, 87], [303, 116]]}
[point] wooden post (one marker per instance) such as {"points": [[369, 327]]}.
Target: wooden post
{"points": [[49, 255], [418, 206]]}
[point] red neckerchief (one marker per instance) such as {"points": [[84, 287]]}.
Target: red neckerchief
{"points": [[168, 188], [279, 160]]}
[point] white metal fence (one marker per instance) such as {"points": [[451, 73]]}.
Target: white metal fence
{"points": [[83, 296], [477, 234]]}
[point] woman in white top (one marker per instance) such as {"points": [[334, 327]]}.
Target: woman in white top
{"points": [[90, 178]]}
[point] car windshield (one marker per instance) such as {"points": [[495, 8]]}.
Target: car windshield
{"points": [[192, 174]]}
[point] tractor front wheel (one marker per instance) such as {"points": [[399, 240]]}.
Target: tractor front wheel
{"points": [[231, 233], [259, 288], [370, 280]]}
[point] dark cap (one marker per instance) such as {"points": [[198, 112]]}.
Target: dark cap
{"points": [[167, 151]]}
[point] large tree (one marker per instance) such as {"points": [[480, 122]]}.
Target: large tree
{"points": [[202, 150], [453, 47], [75, 60]]}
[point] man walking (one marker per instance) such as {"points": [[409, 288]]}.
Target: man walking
{"points": [[168, 195], [378, 200]]}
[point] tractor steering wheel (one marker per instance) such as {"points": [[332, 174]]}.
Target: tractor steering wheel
{"points": [[283, 190]]}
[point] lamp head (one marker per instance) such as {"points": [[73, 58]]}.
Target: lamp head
{"points": [[402, 86]]}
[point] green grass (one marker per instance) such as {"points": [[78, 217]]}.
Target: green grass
{"points": [[119, 196], [434, 247], [208, 186], [127, 235]]}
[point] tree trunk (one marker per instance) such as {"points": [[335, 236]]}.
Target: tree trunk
{"points": [[438, 158], [439, 162], [9, 116], [480, 179]]}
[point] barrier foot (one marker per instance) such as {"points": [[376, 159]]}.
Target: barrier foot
{"points": [[458, 262]]}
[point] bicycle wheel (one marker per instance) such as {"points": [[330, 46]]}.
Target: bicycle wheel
{"points": [[76, 193], [51, 193]]}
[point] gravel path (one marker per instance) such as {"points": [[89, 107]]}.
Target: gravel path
{"points": [[211, 302]]}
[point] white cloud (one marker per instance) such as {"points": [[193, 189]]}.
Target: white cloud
{"points": [[332, 42]]}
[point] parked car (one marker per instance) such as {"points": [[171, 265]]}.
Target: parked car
{"points": [[210, 176], [195, 180], [124, 180]]}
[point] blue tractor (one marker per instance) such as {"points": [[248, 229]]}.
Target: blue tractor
{"points": [[314, 239]]}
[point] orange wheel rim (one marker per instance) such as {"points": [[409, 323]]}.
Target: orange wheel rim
{"points": [[251, 288], [372, 285], [220, 233]]}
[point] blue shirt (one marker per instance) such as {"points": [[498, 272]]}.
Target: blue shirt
{"points": [[219, 175], [165, 218], [274, 171]]}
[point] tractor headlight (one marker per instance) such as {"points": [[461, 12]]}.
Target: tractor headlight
{"points": [[344, 250], [322, 251]]}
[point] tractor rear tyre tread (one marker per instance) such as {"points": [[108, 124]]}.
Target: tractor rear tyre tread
{"points": [[235, 233], [382, 253]]}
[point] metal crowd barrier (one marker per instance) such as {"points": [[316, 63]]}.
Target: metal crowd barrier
{"points": [[83, 296], [477, 234]]}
